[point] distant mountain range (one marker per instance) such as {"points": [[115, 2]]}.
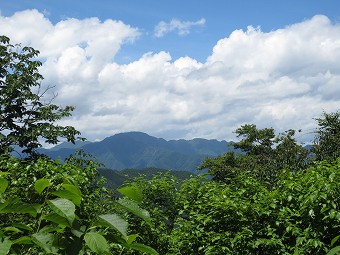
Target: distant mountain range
{"points": [[139, 150]]}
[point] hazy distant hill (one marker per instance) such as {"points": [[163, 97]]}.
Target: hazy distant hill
{"points": [[139, 150]]}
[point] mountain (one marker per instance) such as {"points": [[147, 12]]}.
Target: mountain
{"points": [[69, 145], [139, 150]]}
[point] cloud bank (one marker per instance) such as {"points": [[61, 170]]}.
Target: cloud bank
{"points": [[279, 79], [182, 27]]}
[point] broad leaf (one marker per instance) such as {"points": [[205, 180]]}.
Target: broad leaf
{"points": [[5, 246], [56, 218], [70, 192], [114, 221], [131, 238], [63, 207], [17, 206], [96, 242], [133, 192], [78, 233], [134, 208], [23, 240], [3, 185], [47, 241], [334, 251], [41, 184], [143, 248]]}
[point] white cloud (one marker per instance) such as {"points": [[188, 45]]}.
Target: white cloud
{"points": [[279, 79], [182, 27]]}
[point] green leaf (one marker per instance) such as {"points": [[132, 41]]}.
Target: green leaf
{"points": [[114, 221], [56, 218], [47, 241], [334, 251], [78, 233], [334, 240], [96, 242], [22, 226], [143, 248], [14, 205], [63, 207], [12, 229], [23, 240], [3, 185], [131, 238], [134, 208], [70, 192], [41, 184], [5, 246], [133, 192]]}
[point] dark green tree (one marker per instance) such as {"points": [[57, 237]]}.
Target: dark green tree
{"points": [[288, 154], [255, 141], [263, 155], [26, 118], [327, 137]]}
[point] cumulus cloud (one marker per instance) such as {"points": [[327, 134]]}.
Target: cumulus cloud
{"points": [[279, 79], [182, 27]]}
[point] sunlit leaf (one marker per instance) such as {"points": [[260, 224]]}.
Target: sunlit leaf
{"points": [[41, 184], [96, 242], [131, 238], [114, 221], [134, 208], [63, 207], [133, 192], [143, 248], [70, 192]]}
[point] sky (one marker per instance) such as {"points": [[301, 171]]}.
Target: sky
{"points": [[184, 69]]}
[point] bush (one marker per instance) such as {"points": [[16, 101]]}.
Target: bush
{"points": [[51, 208]]}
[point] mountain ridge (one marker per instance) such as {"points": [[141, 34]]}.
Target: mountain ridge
{"points": [[140, 150]]}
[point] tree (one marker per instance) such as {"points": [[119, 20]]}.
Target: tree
{"points": [[25, 117], [263, 155], [327, 137], [255, 141]]}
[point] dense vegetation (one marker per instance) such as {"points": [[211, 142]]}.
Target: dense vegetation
{"points": [[275, 197]]}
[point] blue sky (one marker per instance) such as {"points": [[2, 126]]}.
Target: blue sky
{"points": [[184, 69], [222, 17]]}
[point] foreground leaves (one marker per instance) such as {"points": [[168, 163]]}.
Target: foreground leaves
{"points": [[60, 222], [97, 243]]}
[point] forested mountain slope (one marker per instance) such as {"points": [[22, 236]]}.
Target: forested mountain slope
{"points": [[139, 150]]}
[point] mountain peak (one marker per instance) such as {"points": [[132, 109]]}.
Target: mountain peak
{"points": [[139, 150]]}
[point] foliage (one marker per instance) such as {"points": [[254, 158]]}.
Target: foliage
{"points": [[327, 139], [114, 179], [25, 117], [160, 198], [264, 155], [52, 208], [300, 215]]}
